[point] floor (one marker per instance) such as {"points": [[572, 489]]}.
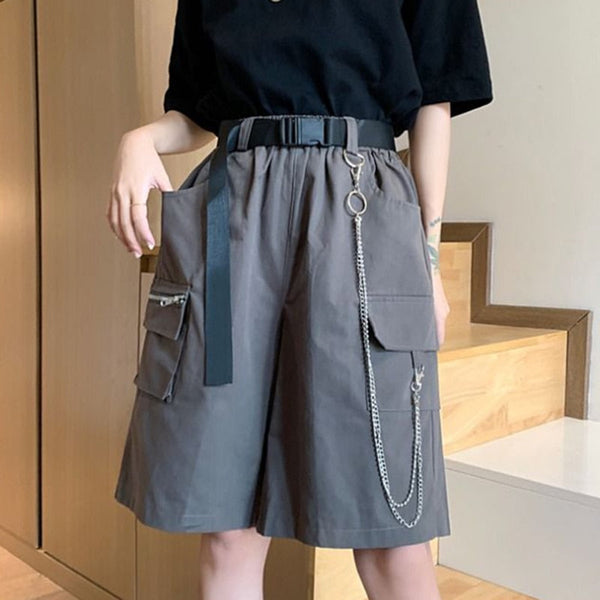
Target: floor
{"points": [[455, 585], [18, 581]]}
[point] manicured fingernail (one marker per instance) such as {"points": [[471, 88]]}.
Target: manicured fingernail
{"points": [[137, 254], [150, 246]]}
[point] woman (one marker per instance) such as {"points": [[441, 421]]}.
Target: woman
{"points": [[288, 379]]}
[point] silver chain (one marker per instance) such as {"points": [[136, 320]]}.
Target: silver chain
{"points": [[415, 386]]}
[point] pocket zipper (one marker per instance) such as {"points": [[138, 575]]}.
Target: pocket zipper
{"points": [[167, 300]]}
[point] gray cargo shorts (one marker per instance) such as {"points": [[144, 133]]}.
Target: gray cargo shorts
{"points": [[289, 446]]}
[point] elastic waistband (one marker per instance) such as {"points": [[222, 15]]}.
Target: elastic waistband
{"points": [[306, 130]]}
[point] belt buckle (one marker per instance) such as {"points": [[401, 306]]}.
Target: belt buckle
{"points": [[288, 130], [298, 131], [312, 131]]}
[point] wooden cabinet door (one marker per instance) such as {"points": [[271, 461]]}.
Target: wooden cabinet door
{"points": [[19, 495], [87, 100]]}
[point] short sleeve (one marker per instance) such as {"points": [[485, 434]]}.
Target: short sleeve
{"points": [[191, 63], [449, 52]]}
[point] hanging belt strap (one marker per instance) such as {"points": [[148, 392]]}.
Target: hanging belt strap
{"points": [[218, 367], [288, 130]]}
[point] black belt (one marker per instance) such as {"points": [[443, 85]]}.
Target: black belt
{"points": [[285, 130]]}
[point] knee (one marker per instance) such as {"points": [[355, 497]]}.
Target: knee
{"points": [[233, 543], [385, 559]]}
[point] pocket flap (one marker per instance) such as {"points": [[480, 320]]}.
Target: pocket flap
{"points": [[165, 307], [404, 322], [158, 365]]}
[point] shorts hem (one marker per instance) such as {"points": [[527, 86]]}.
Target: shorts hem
{"points": [[385, 537], [325, 538], [186, 524], [357, 538]]}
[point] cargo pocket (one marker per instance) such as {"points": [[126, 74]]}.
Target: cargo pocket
{"points": [[166, 326], [183, 229], [400, 325]]}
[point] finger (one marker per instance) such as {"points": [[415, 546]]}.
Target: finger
{"points": [[163, 181], [112, 214], [139, 219], [126, 225]]}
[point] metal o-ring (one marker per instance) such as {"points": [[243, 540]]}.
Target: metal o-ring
{"points": [[352, 210]]}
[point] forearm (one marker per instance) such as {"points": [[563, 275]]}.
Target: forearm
{"points": [[173, 133], [429, 140]]}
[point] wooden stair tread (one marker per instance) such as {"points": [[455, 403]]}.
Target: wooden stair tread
{"points": [[478, 338]]}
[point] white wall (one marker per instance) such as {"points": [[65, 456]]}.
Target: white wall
{"points": [[529, 162]]}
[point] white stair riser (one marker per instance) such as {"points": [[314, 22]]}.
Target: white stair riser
{"points": [[533, 543]]}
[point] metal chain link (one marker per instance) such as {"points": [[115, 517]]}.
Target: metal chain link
{"points": [[418, 371]]}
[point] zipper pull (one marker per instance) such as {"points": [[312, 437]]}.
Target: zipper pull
{"points": [[166, 300]]}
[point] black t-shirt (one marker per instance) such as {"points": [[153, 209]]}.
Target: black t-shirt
{"points": [[371, 59]]}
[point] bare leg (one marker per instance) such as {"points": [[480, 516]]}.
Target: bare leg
{"points": [[399, 573], [232, 564]]}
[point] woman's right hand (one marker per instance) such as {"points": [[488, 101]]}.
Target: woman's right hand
{"points": [[137, 169]]}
